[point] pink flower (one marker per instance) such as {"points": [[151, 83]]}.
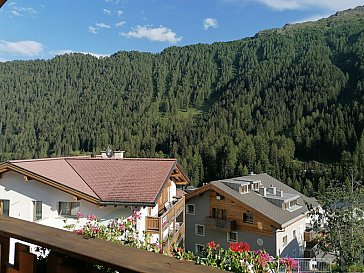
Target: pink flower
{"points": [[80, 215], [78, 231], [91, 217]]}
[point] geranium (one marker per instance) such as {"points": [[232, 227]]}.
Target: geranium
{"points": [[289, 263], [212, 245], [240, 247]]}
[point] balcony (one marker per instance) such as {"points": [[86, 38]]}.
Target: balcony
{"points": [[168, 220], [310, 235], [156, 224], [224, 225]]}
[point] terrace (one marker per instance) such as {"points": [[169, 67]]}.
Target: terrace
{"points": [[170, 225]]}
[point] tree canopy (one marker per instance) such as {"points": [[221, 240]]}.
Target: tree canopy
{"points": [[261, 104]]}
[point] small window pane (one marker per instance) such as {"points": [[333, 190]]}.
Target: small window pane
{"points": [[5, 207], [69, 208], [38, 210]]}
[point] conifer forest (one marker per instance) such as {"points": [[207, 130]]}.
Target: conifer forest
{"points": [[288, 101]]}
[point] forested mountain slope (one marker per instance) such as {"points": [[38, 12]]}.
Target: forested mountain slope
{"points": [[255, 104]]}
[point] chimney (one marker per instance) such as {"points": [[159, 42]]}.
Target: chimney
{"points": [[272, 190], [263, 191], [112, 154], [119, 154]]}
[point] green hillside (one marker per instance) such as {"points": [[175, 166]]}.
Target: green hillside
{"points": [[264, 103]]}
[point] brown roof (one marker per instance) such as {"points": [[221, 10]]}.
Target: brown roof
{"points": [[128, 180]]}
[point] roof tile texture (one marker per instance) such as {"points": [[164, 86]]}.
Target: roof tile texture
{"points": [[125, 180]]}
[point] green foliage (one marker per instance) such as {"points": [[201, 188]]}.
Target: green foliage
{"points": [[223, 109], [343, 216]]}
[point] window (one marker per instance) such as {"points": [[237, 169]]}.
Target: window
{"points": [[190, 209], [218, 213], [69, 208], [255, 186], [200, 230], [248, 217], [284, 240], [199, 249], [219, 197], [294, 234], [232, 236], [243, 189], [4, 207], [37, 210]]}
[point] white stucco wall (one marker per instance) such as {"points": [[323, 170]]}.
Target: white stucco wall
{"points": [[23, 193], [296, 244]]}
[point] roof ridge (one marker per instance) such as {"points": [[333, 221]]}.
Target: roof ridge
{"points": [[44, 159], [65, 159], [127, 159]]}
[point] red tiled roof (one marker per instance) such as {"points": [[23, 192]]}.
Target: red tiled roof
{"points": [[128, 180]]}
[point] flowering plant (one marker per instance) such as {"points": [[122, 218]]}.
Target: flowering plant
{"points": [[237, 258]]}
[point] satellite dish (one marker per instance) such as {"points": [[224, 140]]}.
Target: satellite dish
{"points": [[109, 152]]}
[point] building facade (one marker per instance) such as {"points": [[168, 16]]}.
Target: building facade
{"points": [[257, 209], [55, 191]]}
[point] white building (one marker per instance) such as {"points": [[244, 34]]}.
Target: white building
{"points": [[51, 191]]}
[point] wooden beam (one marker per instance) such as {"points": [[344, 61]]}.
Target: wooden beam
{"points": [[2, 2], [108, 253], [4, 255]]}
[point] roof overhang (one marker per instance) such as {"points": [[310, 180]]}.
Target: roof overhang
{"points": [[6, 167], [2, 2]]}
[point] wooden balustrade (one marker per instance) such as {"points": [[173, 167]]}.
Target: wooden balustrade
{"points": [[92, 251], [152, 224]]}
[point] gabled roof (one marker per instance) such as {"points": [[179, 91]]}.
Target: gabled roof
{"points": [[99, 180], [278, 216]]}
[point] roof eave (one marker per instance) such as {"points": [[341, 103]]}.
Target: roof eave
{"points": [[122, 203], [11, 167]]}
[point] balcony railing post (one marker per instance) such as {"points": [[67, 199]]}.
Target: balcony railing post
{"points": [[4, 255]]}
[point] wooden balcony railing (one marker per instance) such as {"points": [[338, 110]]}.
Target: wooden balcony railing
{"points": [[65, 244], [310, 235], [154, 224], [224, 225]]}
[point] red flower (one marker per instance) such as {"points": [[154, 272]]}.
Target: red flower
{"points": [[212, 245], [240, 247]]}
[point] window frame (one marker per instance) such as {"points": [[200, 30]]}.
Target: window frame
{"points": [[3, 202], [70, 203], [228, 237], [248, 218], [197, 249], [285, 240], [189, 212], [197, 226], [38, 210]]}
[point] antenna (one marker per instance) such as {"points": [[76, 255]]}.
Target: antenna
{"points": [[109, 152]]}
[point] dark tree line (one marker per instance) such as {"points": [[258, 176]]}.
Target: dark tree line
{"points": [[262, 104]]}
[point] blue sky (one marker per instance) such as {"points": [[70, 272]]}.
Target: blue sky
{"points": [[41, 29]]}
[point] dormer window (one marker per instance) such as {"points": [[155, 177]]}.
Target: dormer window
{"points": [[255, 186], [243, 189], [293, 203]]}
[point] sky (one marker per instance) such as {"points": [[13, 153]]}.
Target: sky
{"points": [[42, 29]]}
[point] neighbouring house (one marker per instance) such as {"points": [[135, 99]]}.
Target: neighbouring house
{"points": [[51, 191], [257, 209]]}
